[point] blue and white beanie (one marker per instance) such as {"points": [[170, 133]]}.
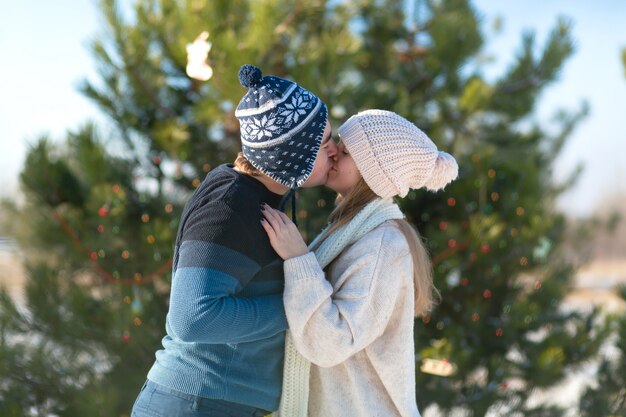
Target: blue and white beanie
{"points": [[282, 126]]}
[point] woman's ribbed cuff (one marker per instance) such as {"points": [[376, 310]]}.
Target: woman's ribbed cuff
{"points": [[302, 267]]}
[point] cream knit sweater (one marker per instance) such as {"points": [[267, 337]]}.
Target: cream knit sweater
{"points": [[356, 327]]}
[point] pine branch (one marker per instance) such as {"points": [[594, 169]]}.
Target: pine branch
{"points": [[107, 276]]}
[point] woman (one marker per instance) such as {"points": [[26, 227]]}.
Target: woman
{"points": [[352, 297]]}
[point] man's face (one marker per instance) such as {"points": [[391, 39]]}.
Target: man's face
{"points": [[323, 162]]}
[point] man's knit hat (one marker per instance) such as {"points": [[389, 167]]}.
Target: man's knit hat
{"points": [[393, 155], [282, 126]]}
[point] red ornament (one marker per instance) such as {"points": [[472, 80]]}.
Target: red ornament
{"points": [[452, 202], [103, 211], [464, 281], [156, 160], [452, 243], [499, 332], [100, 228], [125, 338], [487, 294], [484, 248], [93, 256], [116, 188], [443, 225]]}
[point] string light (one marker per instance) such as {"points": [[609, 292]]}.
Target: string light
{"points": [[136, 306], [145, 218], [438, 367], [169, 208]]}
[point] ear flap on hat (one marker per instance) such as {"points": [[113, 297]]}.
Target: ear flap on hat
{"points": [[446, 170]]}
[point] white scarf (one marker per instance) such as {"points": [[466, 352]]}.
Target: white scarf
{"points": [[295, 396]]}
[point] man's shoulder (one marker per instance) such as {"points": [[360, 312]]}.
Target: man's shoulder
{"points": [[227, 202]]}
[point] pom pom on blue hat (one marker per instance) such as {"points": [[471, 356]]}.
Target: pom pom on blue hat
{"points": [[249, 75]]}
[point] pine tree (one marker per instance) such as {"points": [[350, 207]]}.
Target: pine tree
{"points": [[101, 211]]}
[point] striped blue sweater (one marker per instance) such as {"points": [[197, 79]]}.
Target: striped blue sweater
{"points": [[226, 321]]}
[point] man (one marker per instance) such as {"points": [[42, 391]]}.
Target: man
{"points": [[223, 351]]}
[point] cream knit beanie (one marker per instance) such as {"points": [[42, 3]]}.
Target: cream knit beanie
{"points": [[393, 155]]}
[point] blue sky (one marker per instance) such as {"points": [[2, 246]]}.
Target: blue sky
{"points": [[44, 55]]}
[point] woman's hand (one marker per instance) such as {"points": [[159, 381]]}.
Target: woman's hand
{"points": [[284, 236]]}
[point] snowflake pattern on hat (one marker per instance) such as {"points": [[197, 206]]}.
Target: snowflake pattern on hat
{"points": [[300, 103]]}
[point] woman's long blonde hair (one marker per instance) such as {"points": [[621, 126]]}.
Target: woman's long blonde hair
{"points": [[348, 207]]}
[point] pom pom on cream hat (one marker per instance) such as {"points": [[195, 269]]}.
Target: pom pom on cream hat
{"points": [[393, 155]]}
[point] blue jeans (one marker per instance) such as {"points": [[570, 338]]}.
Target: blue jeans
{"points": [[158, 401]]}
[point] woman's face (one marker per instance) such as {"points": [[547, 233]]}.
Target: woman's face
{"points": [[343, 174]]}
